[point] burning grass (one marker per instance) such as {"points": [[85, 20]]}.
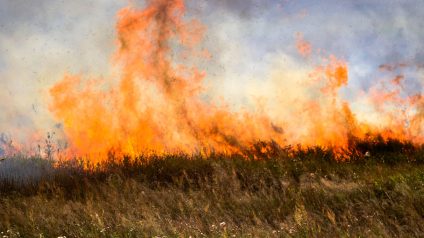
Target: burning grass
{"points": [[339, 181], [272, 193], [156, 99]]}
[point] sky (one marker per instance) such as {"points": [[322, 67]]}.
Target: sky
{"points": [[41, 40]]}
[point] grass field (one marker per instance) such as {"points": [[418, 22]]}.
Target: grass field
{"points": [[278, 194]]}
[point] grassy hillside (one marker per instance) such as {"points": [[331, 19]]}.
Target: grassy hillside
{"points": [[277, 194]]}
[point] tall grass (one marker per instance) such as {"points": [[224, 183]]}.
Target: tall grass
{"points": [[281, 192]]}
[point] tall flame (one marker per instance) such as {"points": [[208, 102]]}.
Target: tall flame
{"points": [[156, 105]]}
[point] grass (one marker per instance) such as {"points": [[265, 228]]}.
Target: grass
{"points": [[274, 194]]}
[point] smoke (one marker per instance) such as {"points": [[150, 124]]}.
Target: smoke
{"points": [[251, 43], [246, 8], [39, 41]]}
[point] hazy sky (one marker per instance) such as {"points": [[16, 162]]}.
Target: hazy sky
{"points": [[40, 40]]}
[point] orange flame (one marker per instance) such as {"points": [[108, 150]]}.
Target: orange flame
{"points": [[156, 105], [303, 47]]}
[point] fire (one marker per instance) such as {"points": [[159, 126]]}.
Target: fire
{"points": [[154, 105], [303, 46]]}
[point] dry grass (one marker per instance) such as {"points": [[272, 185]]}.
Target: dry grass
{"points": [[306, 194]]}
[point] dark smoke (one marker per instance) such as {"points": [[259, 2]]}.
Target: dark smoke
{"points": [[244, 8]]}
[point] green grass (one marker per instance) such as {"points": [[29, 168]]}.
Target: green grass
{"points": [[278, 194]]}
